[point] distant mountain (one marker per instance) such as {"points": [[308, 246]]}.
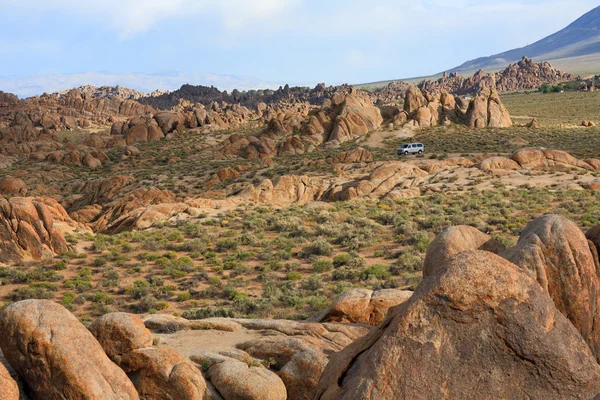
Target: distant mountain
{"points": [[581, 38]]}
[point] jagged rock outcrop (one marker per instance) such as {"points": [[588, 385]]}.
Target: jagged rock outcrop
{"points": [[57, 357], [524, 75], [487, 110], [33, 228], [478, 328]]}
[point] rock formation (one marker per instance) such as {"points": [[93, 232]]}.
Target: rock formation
{"points": [[57, 356], [556, 253], [33, 228], [524, 75], [455, 240], [479, 327], [487, 110]]}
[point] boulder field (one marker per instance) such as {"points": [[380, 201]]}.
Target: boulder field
{"points": [[486, 322]]}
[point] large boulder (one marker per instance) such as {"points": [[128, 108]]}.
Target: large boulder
{"points": [[301, 361], [413, 100], [498, 163], [545, 158], [162, 374], [454, 240], [487, 110], [236, 381], [57, 357], [478, 328], [11, 186], [556, 253], [170, 121], [357, 117], [119, 333]]}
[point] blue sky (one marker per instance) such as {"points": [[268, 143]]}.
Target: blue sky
{"points": [[156, 43]]}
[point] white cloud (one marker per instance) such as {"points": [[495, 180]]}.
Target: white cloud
{"points": [[31, 85], [132, 17]]}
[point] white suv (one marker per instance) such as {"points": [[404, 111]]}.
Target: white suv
{"points": [[410, 148]]}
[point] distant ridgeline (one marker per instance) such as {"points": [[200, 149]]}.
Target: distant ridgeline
{"points": [[206, 95]]}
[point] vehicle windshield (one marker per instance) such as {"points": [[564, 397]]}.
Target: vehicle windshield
{"points": [[404, 146]]}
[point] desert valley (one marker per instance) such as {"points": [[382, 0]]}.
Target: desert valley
{"points": [[282, 244]]}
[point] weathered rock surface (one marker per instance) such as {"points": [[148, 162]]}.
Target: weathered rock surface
{"points": [[9, 390], [57, 356], [479, 328], [161, 373], [455, 240], [545, 158], [487, 110], [119, 333], [11, 186], [33, 228], [236, 381], [556, 253]]}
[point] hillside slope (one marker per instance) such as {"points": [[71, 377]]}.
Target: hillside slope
{"points": [[581, 38]]}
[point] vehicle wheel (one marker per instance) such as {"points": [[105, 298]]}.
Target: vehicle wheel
{"points": [[406, 153], [420, 151]]}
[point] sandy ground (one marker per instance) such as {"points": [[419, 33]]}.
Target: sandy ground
{"points": [[190, 342], [377, 138]]}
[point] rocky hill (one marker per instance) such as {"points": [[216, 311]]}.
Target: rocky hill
{"points": [[523, 75]]}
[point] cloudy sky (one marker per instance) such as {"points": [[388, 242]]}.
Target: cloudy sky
{"points": [[49, 45]]}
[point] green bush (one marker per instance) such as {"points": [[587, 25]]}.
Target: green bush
{"points": [[322, 265]]}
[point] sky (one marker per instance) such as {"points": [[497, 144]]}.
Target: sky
{"points": [[50, 45]]}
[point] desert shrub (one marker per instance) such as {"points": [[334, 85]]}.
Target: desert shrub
{"points": [[226, 244], [319, 247], [103, 298], [406, 262], [294, 276], [322, 265], [313, 283], [317, 303], [342, 259], [185, 296], [421, 241], [208, 312], [377, 271]]}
